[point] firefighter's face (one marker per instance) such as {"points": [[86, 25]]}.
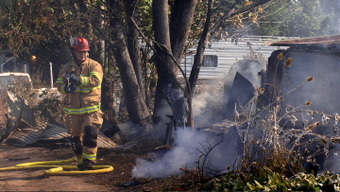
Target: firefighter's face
{"points": [[81, 55]]}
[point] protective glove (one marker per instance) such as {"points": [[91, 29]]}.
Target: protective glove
{"points": [[67, 78], [75, 80], [69, 89]]}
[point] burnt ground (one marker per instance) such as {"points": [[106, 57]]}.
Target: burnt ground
{"points": [[120, 179]]}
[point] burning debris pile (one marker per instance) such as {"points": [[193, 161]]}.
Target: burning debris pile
{"points": [[217, 143], [282, 115]]}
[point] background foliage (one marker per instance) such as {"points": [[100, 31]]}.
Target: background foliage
{"points": [[43, 28]]}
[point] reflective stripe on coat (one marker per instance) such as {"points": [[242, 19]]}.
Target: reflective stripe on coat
{"points": [[86, 98]]}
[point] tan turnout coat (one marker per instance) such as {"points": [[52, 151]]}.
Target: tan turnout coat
{"points": [[87, 96]]}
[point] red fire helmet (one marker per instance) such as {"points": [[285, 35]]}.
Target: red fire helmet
{"points": [[80, 44]]}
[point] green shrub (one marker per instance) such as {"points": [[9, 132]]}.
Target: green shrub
{"points": [[267, 180]]}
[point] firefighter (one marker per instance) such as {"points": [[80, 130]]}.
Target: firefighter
{"points": [[79, 81]]}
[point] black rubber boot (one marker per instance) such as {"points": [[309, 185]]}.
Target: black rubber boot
{"points": [[85, 165]]}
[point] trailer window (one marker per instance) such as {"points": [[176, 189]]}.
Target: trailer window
{"points": [[209, 61]]}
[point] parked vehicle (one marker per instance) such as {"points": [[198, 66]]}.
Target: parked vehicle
{"points": [[21, 84], [15, 80]]}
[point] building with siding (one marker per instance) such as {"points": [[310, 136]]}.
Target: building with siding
{"points": [[221, 55]]}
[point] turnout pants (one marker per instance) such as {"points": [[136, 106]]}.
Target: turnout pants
{"points": [[84, 131]]}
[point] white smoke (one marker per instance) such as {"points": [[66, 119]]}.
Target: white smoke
{"points": [[182, 156], [209, 106], [191, 147], [220, 149], [206, 108]]}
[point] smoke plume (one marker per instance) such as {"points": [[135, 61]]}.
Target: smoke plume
{"points": [[192, 149]]}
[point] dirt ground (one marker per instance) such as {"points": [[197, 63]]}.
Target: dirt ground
{"points": [[118, 180]]}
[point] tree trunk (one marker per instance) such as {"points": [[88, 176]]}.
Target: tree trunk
{"points": [[181, 19], [202, 44], [168, 87], [182, 14], [162, 37], [132, 41], [137, 109]]}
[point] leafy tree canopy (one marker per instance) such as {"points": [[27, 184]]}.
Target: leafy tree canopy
{"points": [[300, 18]]}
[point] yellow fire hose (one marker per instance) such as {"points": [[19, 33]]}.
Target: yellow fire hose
{"points": [[57, 168]]}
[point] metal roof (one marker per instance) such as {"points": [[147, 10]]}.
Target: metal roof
{"points": [[28, 136], [323, 40]]}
